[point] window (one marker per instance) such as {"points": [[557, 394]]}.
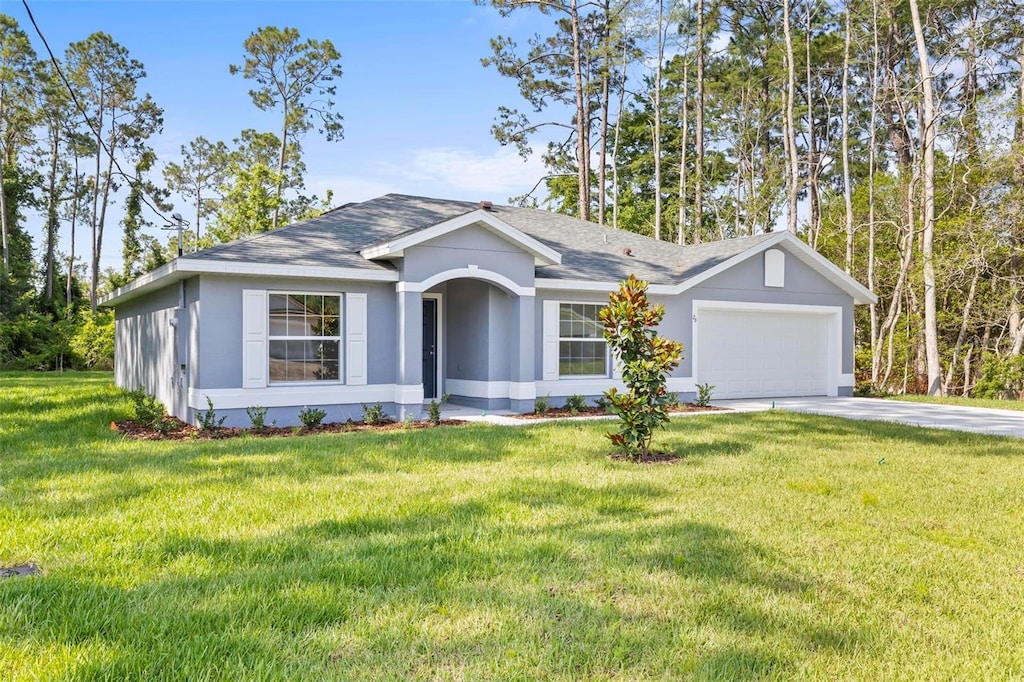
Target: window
{"points": [[582, 350], [305, 337]]}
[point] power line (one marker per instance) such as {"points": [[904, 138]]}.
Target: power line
{"points": [[92, 128]]}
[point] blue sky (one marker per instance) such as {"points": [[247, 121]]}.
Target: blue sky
{"points": [[417, 103]]}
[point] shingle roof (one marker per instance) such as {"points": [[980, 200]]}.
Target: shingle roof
{"points": [[589, 251]]}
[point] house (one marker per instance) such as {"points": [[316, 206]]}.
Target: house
{"points": [[401, 299]]}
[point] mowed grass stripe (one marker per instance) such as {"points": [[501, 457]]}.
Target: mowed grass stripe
{"points": [[781, 546]]}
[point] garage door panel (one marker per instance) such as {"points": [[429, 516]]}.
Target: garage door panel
{"points": [[747, 354]]}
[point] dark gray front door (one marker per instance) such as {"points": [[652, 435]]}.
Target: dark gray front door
{"points": [[429, 348]]}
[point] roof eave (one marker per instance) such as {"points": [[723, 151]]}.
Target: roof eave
{"points": [[182, 268]]}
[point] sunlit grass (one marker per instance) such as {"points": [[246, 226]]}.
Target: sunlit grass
{"points": [[966, 402], [783, 545]]}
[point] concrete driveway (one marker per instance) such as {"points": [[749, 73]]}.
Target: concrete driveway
{"points": [[953, 417]]}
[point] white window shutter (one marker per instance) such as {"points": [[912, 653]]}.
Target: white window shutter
{"points": [[550, 340], [254, 338], [616, 366], [355, 339], [774, 268]]}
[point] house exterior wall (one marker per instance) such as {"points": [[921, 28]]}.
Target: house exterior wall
{"points": [[149, 350], [219, 358], [470, 246], [743, 282], [221, 324]]}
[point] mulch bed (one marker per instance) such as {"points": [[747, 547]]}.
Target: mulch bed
{"points": [[179, 430], [560, 413]]}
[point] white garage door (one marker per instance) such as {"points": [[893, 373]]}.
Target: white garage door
{"points": [[748, 354]]}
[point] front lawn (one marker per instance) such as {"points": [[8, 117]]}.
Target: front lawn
{"points": [[783, 545], [958, 400]]}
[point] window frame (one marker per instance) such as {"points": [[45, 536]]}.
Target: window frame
{"points": [[339, 339], [607, 351]]}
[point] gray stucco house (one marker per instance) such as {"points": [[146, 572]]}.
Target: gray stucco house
{"points": [[401, 298]]}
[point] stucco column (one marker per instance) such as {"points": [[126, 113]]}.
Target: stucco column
{"points": [[522, 386], [409, 379]]}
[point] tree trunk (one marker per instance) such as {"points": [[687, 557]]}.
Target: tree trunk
{"points": [[965, 320], [51, 213], [928, 189], [94, 264], [280, 165], [682, 153], [847, 189], [789, 134], [615, 144], [657, 122], [698, 189], [4, 240], [69, 290], [582, 118], [813, 162], [602, 171], [872, 168]]}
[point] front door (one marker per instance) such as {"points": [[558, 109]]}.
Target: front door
{"points": [[429, 348]]}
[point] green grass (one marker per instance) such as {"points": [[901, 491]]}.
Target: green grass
{"points": [[957, 400], [780, 547]]}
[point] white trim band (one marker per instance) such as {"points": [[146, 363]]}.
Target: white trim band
{"points": [[470, 273], [469, 388], [306, 394]]}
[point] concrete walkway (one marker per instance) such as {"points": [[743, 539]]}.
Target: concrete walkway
{"points": [[952, 417]]}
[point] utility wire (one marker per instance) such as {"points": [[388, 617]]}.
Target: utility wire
{"points": [[88, 121]]}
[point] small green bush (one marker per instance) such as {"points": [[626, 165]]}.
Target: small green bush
{"points": [[542, 404], [208, 420], [374, 414], [575, 404], [704, 392], [146, 409], [311, 416], [434, 409], [257, 416], [673, 401]]}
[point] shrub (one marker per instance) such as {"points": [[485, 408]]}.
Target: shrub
{"points": [[629, 322], [542, 404], [93, 340], [257, 416], [311, 416], [146, 409], [575, 404], [1001, 377], [704, 392], [374, 414], [208, 420], [434, 409], [673, 401], [603, 403]]}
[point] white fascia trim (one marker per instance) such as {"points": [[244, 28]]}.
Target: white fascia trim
{"points": [[471, 273], [543, 254], [548, 284], [834, 313], [516, 390], [294, 396], [181, 268], [567, 387]]}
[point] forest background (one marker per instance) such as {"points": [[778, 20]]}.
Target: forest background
{"points": [[888, 135]]}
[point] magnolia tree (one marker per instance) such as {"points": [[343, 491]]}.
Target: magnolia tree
{"points": [[629, 322]]}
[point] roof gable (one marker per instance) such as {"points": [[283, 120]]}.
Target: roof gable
{"points": [[394, 248]]}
